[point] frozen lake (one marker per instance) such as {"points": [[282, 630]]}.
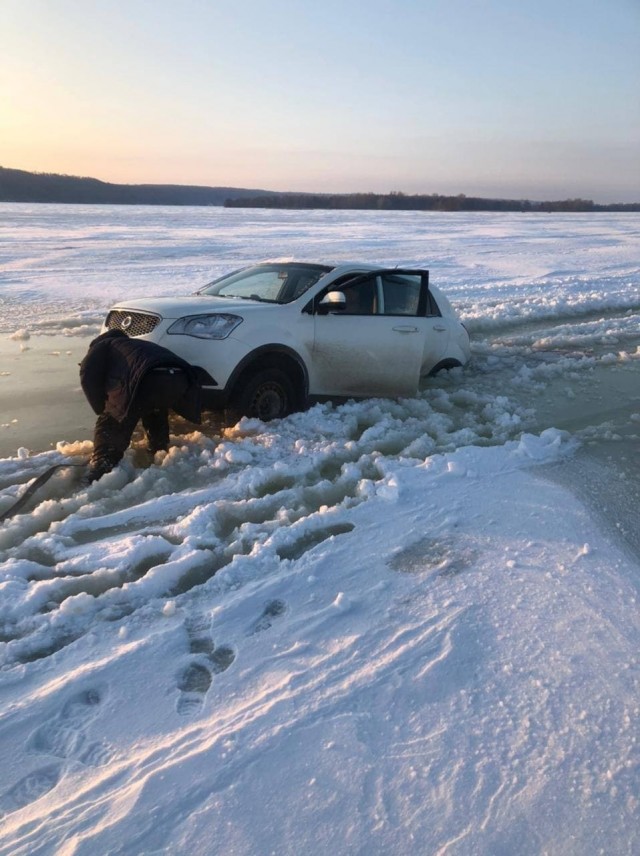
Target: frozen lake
{"points": [[357, 628], [546, 297]]}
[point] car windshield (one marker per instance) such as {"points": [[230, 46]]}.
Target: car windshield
{"points": [[270, 283]]}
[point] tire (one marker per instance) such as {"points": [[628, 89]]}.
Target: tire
{"points": [[267, 394], [443, 365]]}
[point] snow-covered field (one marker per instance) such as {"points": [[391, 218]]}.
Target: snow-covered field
{"points": [[379, 628]]}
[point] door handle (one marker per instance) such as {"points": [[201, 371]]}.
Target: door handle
{"points": [[406, 329], [440, 329]]}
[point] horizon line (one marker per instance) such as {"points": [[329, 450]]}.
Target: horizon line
{"points": [[395, 192]]}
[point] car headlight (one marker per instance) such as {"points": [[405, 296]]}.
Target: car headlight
{"points": [[217, 326]]}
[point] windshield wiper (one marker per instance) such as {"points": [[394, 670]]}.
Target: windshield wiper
{"points": [[252, 297], [240, 297]]}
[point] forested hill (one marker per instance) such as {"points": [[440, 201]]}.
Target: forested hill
{"points": [[17, 185]]}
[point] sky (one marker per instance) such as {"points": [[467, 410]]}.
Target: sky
{"points": [[535, 98]]}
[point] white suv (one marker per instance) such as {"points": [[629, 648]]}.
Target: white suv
{"points": [[270, 338]]}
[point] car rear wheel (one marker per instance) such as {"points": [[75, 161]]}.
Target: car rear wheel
{"points": [[447, 364], [266, 395]]}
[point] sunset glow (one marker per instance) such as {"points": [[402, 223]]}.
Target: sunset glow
{"points": [[532, 99]]}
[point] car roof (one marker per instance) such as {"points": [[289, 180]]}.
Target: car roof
{"points": [[340, 267]]}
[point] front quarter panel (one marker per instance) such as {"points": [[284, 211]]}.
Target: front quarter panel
{"points": [[261, 325]]}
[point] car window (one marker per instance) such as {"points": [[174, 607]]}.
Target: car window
{"points": [[298, 282], [361, 298], [432, 306], [401, 294], [265, 285], [273, 283], [338, 283]]}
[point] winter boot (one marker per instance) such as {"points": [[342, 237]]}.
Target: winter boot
{"points": [[101, 464], [156, 428]]}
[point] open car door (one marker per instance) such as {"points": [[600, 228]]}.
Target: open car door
{"points": [[376, 345]]}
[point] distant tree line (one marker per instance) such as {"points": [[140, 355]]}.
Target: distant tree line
{"points": [[18, 185], [397, 201]]}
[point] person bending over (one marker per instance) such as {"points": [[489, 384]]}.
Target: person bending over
{"points": [[126, 380]]}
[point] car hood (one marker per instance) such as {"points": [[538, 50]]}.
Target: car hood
{"points": [[195, 304]]}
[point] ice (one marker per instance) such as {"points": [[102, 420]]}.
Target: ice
{"points": [[378, 627]]}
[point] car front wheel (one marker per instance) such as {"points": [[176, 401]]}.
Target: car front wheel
{"points": [[268, 394]]}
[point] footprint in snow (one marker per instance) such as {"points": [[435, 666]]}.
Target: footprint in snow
{"points": [[65, 735], [29, 789], [273, 610], [195, 679]]}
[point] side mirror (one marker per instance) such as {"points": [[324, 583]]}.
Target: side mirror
{"points": [[332, 301]]}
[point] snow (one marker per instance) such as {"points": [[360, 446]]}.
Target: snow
{"points": [[384, 627]]}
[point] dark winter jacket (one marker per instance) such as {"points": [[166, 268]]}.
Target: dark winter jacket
{"points": [[115, 364]]}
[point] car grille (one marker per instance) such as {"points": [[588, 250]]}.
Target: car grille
{"points": [[132, 323]]}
